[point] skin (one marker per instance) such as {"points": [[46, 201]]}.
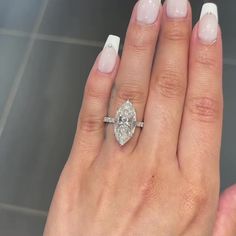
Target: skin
{"points": [[165, 181]]}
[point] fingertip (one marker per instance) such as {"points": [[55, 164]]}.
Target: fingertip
{"points": [[96, 72], [108, 57], [146, 12], [207, 30], [228, 198], [209, 8], [226, 215], [175, 11], [102, 67], [197, 39], [207, 56]]}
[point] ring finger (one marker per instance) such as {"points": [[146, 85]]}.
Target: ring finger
{"points": [[132, 81]]}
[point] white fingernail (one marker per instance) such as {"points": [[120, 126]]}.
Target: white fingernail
{"points": [[177, 8], [209, 8], [208, 25], [108, 57], [148, 10]]}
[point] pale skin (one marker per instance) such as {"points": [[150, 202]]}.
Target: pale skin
{"points": [[165, 180]]}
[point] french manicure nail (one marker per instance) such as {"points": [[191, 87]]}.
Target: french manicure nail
{"points": [[208, 25], [148, 10], [177, 8], [108, 57]]}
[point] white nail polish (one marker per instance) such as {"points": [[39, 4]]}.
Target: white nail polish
{"points": [[177, 8], [209, 8], [148, 10], [208, 24], [108, 57]]}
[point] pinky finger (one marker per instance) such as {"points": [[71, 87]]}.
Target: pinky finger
{"points": [[90, 129]]}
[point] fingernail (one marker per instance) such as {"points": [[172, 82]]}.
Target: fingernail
{"points": [[148, 10], [208, 25], [107, 60], [177, 8]]}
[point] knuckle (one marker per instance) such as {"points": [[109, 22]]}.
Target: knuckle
{"points": [[204, 59], [93, 92], [90, 123], [131, 92], [170, 84], [110, 173], [139, 40], [148, 188], [176, 33], [195, 198], [204, 108]]}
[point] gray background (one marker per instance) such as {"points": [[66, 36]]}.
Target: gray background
{"points": [[47, 48]]}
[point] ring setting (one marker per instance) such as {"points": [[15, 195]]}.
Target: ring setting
{"points": [[125, 122]]}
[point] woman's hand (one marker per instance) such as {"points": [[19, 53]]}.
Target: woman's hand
{"points": [[165, 180]]}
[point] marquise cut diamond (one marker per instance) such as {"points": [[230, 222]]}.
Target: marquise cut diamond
{"points": [[125, 123]]}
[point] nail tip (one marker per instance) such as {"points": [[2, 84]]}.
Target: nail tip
{"points": [[175, 9], [209, 8], [207, 30], [148, 11], [113, 40]]}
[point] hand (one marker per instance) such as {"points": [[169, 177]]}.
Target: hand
{"points": [[165, 180]]}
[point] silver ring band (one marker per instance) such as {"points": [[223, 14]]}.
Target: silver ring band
{"points": [[111, 120]]}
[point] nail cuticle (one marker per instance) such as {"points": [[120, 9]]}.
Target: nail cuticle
{"points": [[207, 43]]}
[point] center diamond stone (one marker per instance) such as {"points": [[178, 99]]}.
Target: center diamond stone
{"points": [[125, 123]]}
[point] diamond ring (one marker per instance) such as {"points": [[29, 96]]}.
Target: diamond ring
{"points": [[125, 122]]}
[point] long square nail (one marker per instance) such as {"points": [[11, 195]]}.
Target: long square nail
{"points": [[107, 60], [208, 25]]}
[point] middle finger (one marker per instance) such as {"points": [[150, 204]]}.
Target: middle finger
{"points": [[134, 73], [169, 80]]}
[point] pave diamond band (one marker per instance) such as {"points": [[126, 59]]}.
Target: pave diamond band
{"points": [[111, 120], [124, 122]]}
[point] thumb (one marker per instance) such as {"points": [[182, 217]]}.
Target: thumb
{"points": [[226, 216]]}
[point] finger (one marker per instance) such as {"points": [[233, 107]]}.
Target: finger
{"points": [[169, 78], [226, 216], [133, 77], [90, 132], [200, 137]]}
